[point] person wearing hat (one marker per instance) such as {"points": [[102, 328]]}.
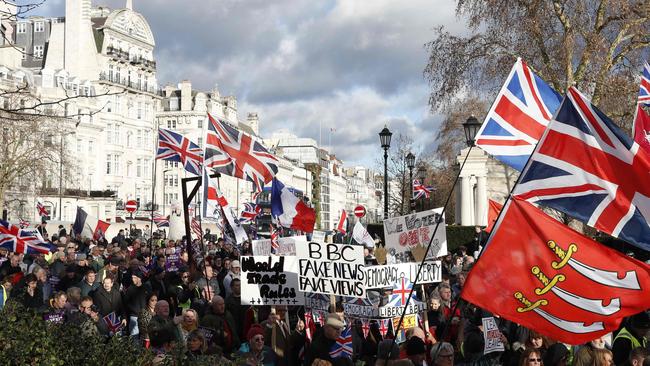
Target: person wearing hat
{"points": [[110, 269], [324, 339], [254, 352], [416, 350], [556, 355], [633, 335], [135, 299]]}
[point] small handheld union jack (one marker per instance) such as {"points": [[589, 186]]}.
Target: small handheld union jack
{"points": [[23, 223], [250, 213], [160, 221], [343, 345], [275, 235], [42, 211], [420, 190], [113, 323]]}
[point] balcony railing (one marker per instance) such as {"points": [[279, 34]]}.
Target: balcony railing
{"points": [[140, 86]]}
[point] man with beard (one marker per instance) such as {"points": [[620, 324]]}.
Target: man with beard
{"points": [[222, 322]]}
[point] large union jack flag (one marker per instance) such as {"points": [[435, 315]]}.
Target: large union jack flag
{"points": [[173, 146], [232, 152], [518, 117], [588, 168], [343, 345], [641, 126], [160, 220], [420, 190], [27, 241], [250, 212]]}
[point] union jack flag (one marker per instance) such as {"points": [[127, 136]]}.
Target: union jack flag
{"points": [[113, 323], [23, 223], [518, 117], [343, 345], [420, 190], [173, 146], [641, 126], [275, 235], [160, 220], [358, 301], [250, 213], [588, 168], [42, 211], [232, 152], [401, 293], [384, 326], [27, 241]]}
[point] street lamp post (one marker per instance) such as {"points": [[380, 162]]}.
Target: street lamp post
{"points": [[163, 191], [385, 136], [410, 163]]}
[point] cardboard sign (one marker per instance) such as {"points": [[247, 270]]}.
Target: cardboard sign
{"points": [[317, 301], [388, 275], [318, 236], [492, 336], [288, 245], [335, 269], [410, 321], [270, 280], [391, 311], [406, 232], [359, 308]]}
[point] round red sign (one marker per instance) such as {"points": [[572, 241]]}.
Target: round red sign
{"points": [[131, 206], [359, 211]]}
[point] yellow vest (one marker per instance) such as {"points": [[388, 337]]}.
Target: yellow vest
{"points": [[625, 334]]}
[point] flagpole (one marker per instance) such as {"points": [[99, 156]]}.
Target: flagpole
{"points": [[153, 190]]}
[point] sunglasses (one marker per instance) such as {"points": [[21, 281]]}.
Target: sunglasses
{"points": [[534, 360]]}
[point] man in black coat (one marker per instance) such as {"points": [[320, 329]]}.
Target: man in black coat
{"points": [[108, 299], [135, 299], [324, 339]]}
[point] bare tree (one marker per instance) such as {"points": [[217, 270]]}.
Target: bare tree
{"points": [[595, 45]]}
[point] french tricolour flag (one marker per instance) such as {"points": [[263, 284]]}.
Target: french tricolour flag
{"points": [[289, 210], [89, 226]]}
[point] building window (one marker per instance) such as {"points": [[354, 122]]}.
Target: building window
{"points": [[139, 139], [39, 27], [109, 164], [139, 110], [109, 133], [200, 124], [79, 145], [90, 146], [110, 72], [117, 75], [200, 141], [145, 167], [21, 28], [116, 135], [138, 168], [38, 51]]}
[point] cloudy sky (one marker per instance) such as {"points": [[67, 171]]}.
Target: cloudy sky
{"points": [[350, 66]]}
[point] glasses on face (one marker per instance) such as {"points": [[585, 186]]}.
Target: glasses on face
{"points": [[534, 360], [258, 339], [185, 277]]}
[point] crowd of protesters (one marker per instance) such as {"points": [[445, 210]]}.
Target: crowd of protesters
{"points": [[160, 300]]}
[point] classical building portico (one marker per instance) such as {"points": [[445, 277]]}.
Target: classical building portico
{"points": [[471, 192]]}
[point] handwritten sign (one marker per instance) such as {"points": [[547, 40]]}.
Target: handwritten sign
{"points": [[287, 246], [270, 280], [317, 301], [359, 308], [335, 269], [173, 260], [492, 336], [404, 233], [388, 275], [391, 311]]}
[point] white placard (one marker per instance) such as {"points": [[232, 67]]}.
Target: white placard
{"points": [[390, 274], [270, 280], [335, 269], [404, 233], [492, 336], [287, 246], [318, 236]]}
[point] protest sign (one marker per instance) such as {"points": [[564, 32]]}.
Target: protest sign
{"points": [[208, 334], [55, 316], [317, 301], [173, 260], [318, 236], [492, 336], [359, 308], [270, 280], [410, 321], [392, 311], [388, 275], [287, 246], [404, 233], [335, 269]]}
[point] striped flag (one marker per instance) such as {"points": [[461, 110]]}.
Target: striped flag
{"points": [[518, 117], [275, 235], [641, 126], [23, 223], [343, 345], [160, 221], [343, 222], [42, 211], [196, 228], [27, 241]]}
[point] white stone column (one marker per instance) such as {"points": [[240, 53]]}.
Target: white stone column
{"points": [[458, 209], [465, 199], [481, 201]]}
